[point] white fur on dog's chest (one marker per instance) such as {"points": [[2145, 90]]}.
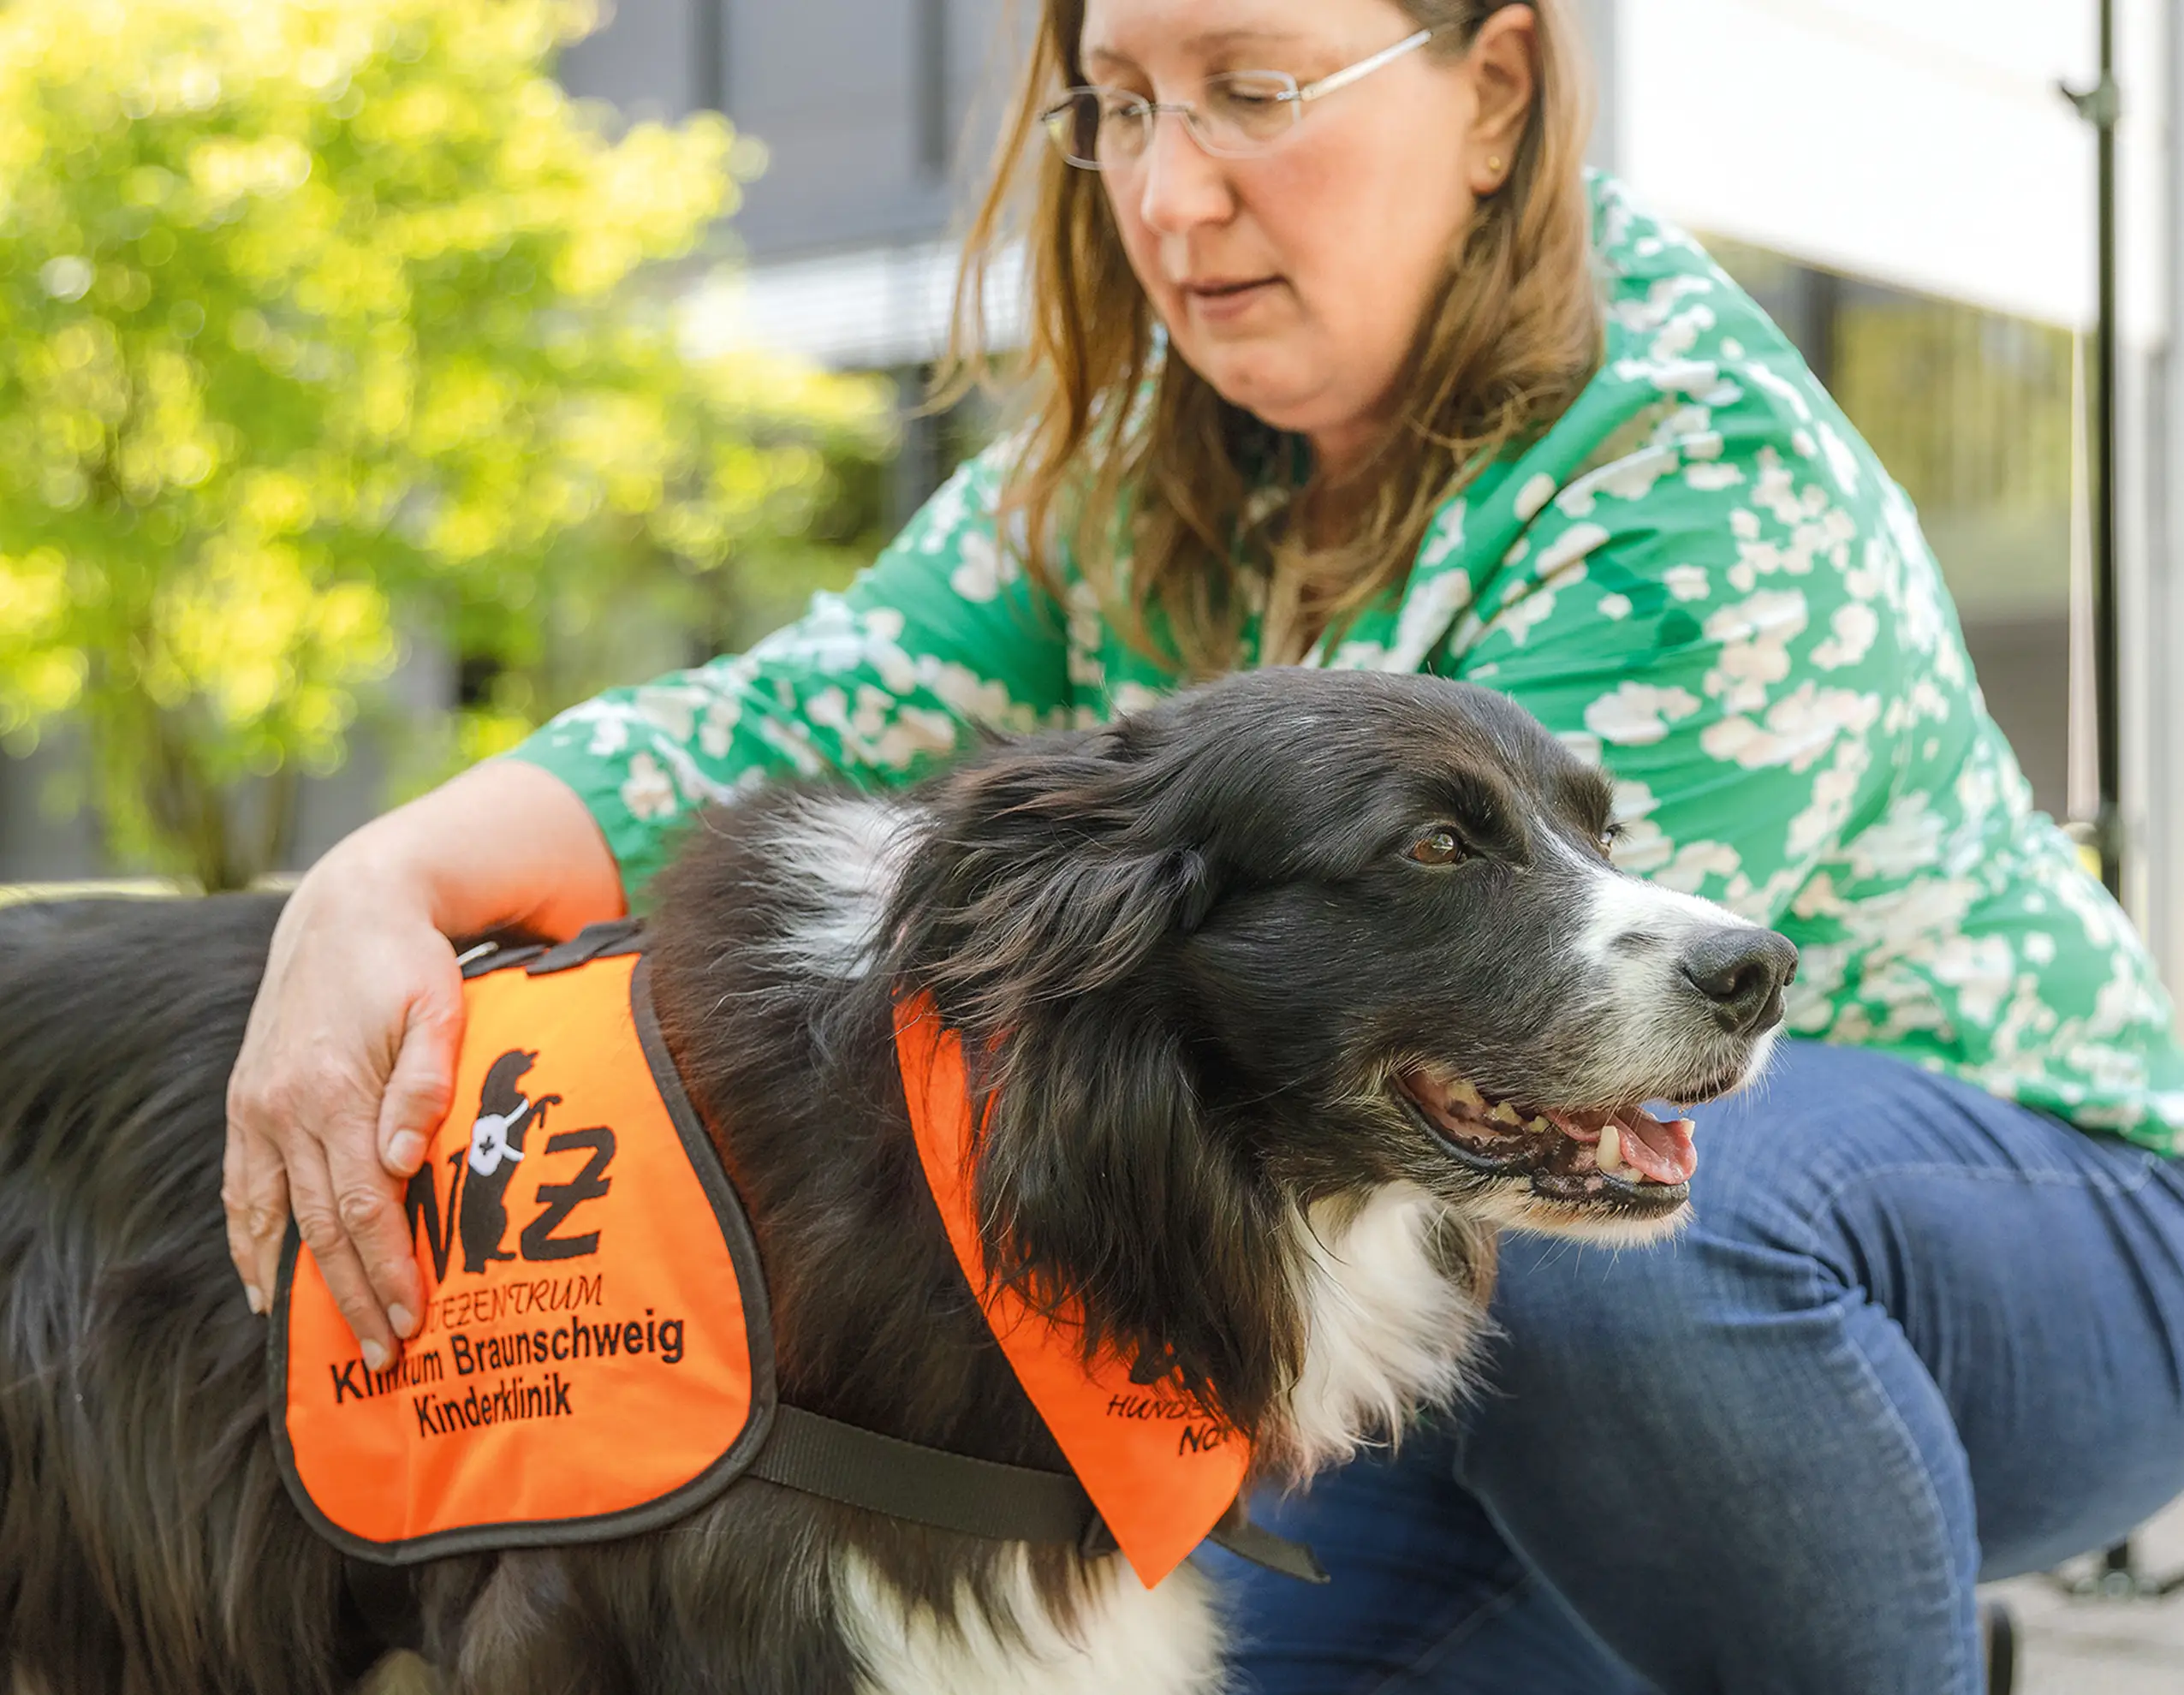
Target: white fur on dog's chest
{"points": [[1163, 1641], [1386, 1332]]}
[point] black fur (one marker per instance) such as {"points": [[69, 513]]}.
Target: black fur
{"points": [[1186, 949]]}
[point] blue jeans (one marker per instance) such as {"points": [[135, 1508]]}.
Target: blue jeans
{"points": [[1914, 1337]]}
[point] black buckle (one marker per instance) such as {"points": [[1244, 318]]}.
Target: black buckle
{"points": [[1237, 1533], [1097, 1542], [593, 941]]}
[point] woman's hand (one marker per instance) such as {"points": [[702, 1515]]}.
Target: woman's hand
{"points": [[348, 1060], [347, 1064]]}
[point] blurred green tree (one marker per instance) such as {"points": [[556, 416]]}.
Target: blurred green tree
{"points": [[322, 321]]}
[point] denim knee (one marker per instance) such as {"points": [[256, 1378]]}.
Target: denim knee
{"points": [[1765, 1230], [1718, 1449]]}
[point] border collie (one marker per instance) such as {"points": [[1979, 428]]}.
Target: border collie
{"points": [[1287, 992]]}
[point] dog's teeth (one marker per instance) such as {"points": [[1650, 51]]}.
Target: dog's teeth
{"points": [[1465, 1093], [1536, 1124], [1503, 1113], [1609, 1155]]}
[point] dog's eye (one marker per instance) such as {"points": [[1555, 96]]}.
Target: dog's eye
{"points": [[1437, 846]]}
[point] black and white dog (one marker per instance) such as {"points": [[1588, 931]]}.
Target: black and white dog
{"points": [[1292, 990]]}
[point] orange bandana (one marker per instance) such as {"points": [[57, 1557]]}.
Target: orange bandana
{"points": [[1160, 1468]]}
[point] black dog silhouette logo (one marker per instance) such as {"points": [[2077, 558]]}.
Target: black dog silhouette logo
{"points": [[504, 1119], [480, 1174]]}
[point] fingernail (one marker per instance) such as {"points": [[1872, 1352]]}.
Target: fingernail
{"points": [[406, 1150], [257, 1300], [375, 1356], [400, 1318]]}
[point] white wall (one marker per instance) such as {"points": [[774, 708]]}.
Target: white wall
{"points": [[1919, 142]]}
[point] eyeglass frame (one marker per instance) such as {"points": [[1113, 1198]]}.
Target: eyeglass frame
{"points": [[1296, 97]]}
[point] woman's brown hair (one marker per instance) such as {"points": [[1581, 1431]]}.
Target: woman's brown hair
{"points": [[1114, 427]]}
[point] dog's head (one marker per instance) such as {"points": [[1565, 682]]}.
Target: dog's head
{"points": [[1293, 938]]}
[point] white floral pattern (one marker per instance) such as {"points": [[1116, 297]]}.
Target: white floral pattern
{"points": [[1700, 578]]}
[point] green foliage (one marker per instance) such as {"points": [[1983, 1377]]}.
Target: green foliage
{"points": [[327, 320]]}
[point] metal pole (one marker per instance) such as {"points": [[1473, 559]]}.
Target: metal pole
{"points": [[709, 47], [2101, 106], [2164, 850], [932, 90]]}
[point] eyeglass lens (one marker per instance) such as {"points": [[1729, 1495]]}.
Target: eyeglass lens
{"points": [[1241, 112]]}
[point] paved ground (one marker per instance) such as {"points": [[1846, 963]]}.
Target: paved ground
{"points": [[2067, 1645], [2071, 1647]]}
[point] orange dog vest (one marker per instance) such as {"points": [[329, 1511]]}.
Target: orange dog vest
{"points": [[595, 1357]]}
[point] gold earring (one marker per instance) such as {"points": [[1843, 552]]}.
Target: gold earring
{"points": [[1493, 164]]}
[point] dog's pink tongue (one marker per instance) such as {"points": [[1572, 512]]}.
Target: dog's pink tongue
{"points": [[1662, 1152]]}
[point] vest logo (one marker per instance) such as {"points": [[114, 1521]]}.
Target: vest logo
{"points": [[477, 1208]]}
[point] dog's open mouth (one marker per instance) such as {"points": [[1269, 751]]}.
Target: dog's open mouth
{"points": [[1624, 1154]]}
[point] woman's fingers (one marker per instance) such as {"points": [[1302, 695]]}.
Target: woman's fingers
{"points": [[256, 1203], [418, 1090], [349, 1055], [421, 1086], [244, 1152], [334, 1210], [368, 1203]]}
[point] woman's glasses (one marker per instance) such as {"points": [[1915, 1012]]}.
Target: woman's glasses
{"points": [[1240, 113]]}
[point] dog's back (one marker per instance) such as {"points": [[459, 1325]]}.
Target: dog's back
{"points": [[124, 1338]]}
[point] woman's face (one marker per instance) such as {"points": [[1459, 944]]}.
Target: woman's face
{"points": [[1294, 281]]}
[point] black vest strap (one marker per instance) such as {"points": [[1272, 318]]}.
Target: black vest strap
{"points": [[1254, 1543], [974, 1497], [593, 941], [926, 1485]]}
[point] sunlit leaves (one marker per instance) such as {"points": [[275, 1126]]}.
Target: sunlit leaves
{"points": [[327, 321]]}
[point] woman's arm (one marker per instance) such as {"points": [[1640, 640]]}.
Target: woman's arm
{"points": [[348, 1060], [1740, 622], [350, 1052]]}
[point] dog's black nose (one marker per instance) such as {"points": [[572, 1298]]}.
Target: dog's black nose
{"points": [[1743, 971]]}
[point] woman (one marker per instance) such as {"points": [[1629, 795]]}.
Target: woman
{"points": [[1337, 357]]}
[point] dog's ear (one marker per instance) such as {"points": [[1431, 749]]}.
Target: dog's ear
{"points": [[1047, 875], [1104, 1187]]}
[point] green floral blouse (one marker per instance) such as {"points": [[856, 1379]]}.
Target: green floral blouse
{"points": [[1700, 578]]}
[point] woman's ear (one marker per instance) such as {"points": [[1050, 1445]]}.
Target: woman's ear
{"points": [[1502, 65]]}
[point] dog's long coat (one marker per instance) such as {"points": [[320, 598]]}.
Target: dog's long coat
{"points": [[1226, 965]]}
